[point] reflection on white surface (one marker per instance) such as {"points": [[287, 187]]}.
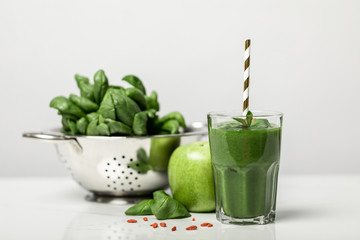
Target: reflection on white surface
{"points": [[309, 207], [264, 232], [107, 222]]}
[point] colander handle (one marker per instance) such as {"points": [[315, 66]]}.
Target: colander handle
{"points": [[53, 138]]}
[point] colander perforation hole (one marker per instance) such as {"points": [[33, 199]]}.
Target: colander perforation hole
{"points": [[121, 177]]}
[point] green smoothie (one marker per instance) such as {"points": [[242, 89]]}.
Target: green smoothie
{"points": [[246, 164]]}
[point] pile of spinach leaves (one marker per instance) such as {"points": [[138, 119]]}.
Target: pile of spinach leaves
{"points": [[162, 206], [109, 110]]}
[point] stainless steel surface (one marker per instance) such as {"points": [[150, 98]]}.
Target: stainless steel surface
{"points": [[54, 137], [116, 200], [108, 166]]}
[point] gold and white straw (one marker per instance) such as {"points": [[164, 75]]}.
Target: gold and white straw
{"points": [[246, 77]]}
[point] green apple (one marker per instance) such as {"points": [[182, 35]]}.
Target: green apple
{"points": [[191, 177], [161, 150]]}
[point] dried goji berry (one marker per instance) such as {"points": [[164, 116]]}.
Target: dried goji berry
{"points": [[132, 221], [154, 225], [173, 229], [193, 219], [191, 227], [163, 224], [204, 224], [145, 219], [209, 225]]}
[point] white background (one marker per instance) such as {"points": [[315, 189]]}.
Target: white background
{"points": [[305, 62]]}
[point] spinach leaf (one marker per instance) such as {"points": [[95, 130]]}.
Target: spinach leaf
{"points": [[245, 123], [118, 88], [151, 113], [101, 85], [117, 106], [65, 106], [125, 107], [81, 79], [249, 117], [165, 207], [73, 128], [142, 208], [92, 116], [152, 101], [140, 123], [118, 128], [97, 127], [175, 116], [65, 123], [141, 165], [86, 89], [107, 107], [83, 103], [171, 126], [82, 125], [136, 82], [138, 96], [141, 155]]}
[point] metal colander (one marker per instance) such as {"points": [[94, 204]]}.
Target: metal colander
{"points": [[119, 166]]}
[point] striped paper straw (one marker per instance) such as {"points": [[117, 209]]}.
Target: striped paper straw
{"points": [[246, 77]]}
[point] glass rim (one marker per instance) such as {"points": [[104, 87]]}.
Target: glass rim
{"points": [[237, 113]]}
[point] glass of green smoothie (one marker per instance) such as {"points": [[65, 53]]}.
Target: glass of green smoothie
{"points": [[245, 155]]}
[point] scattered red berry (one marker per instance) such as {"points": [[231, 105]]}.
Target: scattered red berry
{"points": [[192, 228], [193, 219], [145, 218], [204, 224], [173, 229], [154, 225], [132, 221], [209, 225], [163, 224]]}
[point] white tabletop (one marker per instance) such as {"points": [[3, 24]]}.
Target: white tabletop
{"points": [[309, 207]]}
